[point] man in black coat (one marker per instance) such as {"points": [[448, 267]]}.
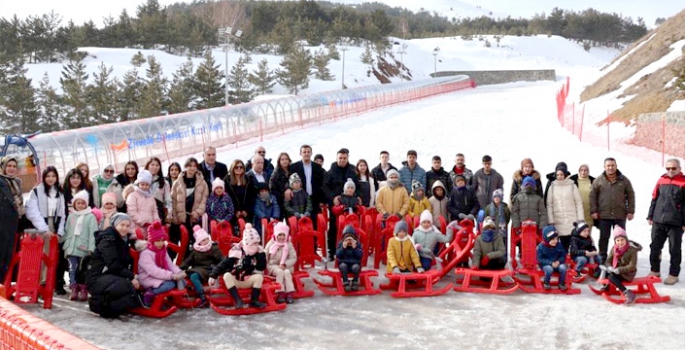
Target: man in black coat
{"points": [[380, 171], [336, 177], [210, 168], [268, 167], [437, 173], [462, 201], [312, 176]]}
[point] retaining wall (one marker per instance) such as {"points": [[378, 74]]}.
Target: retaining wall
{"points": [[489, 77]]}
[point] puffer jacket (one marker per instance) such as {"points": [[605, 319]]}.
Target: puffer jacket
{"points": [[585, 188], [466, 173], [416, 207], [462, 201], [112, 256], [178, 197], [113, 187], [564, 206], [528, 205], [152, 276], [202, 262], [493, 250], [83, 244], [37, 209], [141, 208], [612, 200], [492, 211], [299, 204], [220, 207], [546, 255], [240, 268], [393, 201], [580, 245], [484, 185], [433, 176], [627, 263], [349, 255], [408, 175], [439, 205], [274, 260], [668, 201], [402, 254], [429, 239], [518, 179]]}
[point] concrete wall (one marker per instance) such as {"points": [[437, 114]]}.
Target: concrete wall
{"points": [[490, 77]]}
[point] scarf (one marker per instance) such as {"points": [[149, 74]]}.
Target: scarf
{"points": [[276, 245], [202, 248], [417, 197], [79, 222], [107, 214], [488, 235], [393, 184], [500, 213], [160, 255], [145, 194], [266, 197], [251, 249], [618, 253]]}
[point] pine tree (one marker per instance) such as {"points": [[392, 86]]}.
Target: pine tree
{"points": [[130, 90], [297, 66], [73, 82], [49, 107], [102, 96], [153, 93], [263, 78], [18, 108], [367, 55], [240, 89], [333, 52], [208, 87], [320, 62], [181, 92]]}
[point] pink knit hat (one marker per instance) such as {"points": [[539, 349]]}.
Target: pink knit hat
{"points": [[620, 232], [109, 197], [200, 234], [281, 228], [156, 232]]}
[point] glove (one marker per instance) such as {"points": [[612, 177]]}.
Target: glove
{"points": [[470, 217], [338, 209], [396, 270], [484, 261], [399, 216], [614, 270], [462, 216], [420, 270], [418, 247]]}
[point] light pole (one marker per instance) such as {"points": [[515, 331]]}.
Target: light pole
{"points": [[435, 62], [343, 47], [402, 51], [225, 34]]}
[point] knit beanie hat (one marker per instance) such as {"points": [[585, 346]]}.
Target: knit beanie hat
{"points": [[581, 226], [156, 232], [281, 228], [349, 184], [549, 233], [528, 181], [198, 233], [620, 232], [295, 178], [250, 235], [400, 226], [392, 172], [82, 195], [218, 183], [459, 178], [144, 177], [119, 217], [349, 232], [426, 216], [109, 197], [488, 223], [415, 186], [498, 194], [563, 167]]}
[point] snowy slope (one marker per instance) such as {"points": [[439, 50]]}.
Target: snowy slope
{"points": [[508, 122], [446, 8]]}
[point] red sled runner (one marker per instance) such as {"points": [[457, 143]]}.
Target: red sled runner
{"points": [[223, 303], [645, 292], [422, 284]]}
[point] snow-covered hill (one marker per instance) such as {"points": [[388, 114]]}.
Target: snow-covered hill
{"points": [[447, 8]]}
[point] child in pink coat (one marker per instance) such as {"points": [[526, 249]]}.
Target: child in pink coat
{"points": [[280, 262], [140, 203], [156, 272]]}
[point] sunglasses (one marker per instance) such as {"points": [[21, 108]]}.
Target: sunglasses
{"points": [[109, 171], [239, 167], [671, 168], [262, 152]]}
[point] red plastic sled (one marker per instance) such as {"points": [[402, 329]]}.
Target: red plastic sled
{"points": [[219, 303], [29, 260], [459, 249], [222, 233], [335, 287], [489, 282], [645, 285], [423, 286]]}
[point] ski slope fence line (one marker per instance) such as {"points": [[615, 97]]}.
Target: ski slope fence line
{"points": [[178, 135], [660, 132], [21, 330]]}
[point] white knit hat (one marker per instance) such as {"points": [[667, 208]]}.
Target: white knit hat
{"points": [[83, 195], [426, 216], [144, 177], [218, 183], [349, 183]]}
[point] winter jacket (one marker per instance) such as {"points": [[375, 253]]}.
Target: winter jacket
{"points": [[220, 171], [202, 262], [439, 205], [318, 195], [403, 255], [268, 167], [349, 255], [299, 204], [113, 187], [179, 192], [564, 206], [585, 188], [83, 244], [494, 213], [493, 250], [162, 194], [240, 268], [278, 183], [9, 222], [546, 255], [463, 200], [367, 192], [266, 175], [416, 207], [243, 196], [141, 209], [627, 263], [518, 179], [429, 239], [466, 173], [408, 175], [37, 209], [440, 175], [528, 205], [579, 245], [346, 203], [484, 185], [393, 201], [335, 181], [152, 276], [220, 207], [612, 200], [668, 201], [379, 175], [262, 210], [275, 259]]}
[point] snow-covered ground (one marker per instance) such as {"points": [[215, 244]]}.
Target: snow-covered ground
{"points": [[509, 122]]}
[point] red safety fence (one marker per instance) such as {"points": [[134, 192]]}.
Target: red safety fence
{"points": [[662, 132]]}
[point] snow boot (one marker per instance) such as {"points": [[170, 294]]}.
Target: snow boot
{"points": [[82, 292], [238, 301], [59, 288], [148, 297], [254, 298], [562, 287], [347, 284], [630, 296], [74, 292], [355, 285], [280, 297], [203, 302], [289, 298], [671, 280], [546, 286]]}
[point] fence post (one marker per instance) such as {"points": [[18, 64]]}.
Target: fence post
{"points": [[582, 120], [574, 118], [608, 134], [663, 140], [261, 131]]}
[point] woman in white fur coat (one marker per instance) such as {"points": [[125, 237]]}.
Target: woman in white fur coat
{"points": [[564, 206]]}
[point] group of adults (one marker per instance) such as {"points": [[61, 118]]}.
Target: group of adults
{"points": [[181, 196]]}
